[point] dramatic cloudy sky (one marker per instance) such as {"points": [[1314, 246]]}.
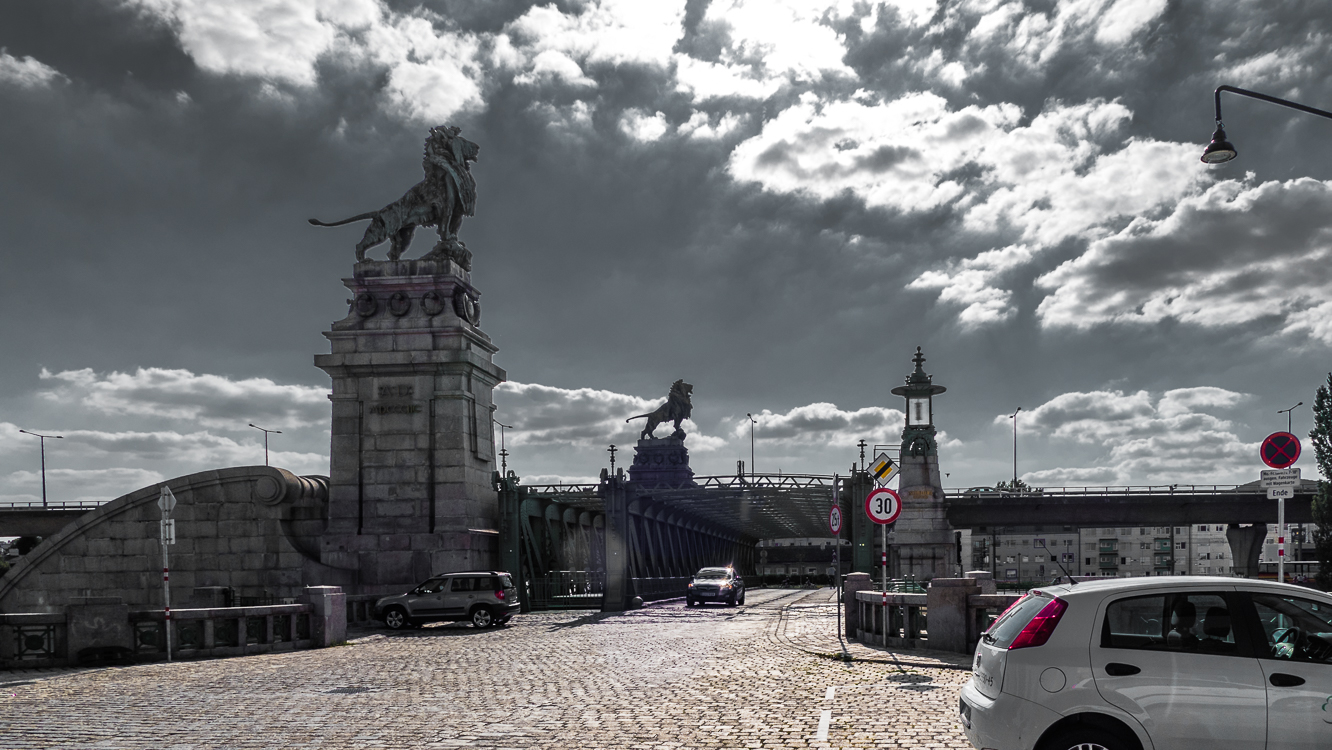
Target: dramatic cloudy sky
{"points": [[776, 201]]}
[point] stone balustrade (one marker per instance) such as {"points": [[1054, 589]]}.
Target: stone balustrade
{"points": [[950, 616], [104, 629]]}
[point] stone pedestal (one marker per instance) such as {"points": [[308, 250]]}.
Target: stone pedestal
{"points": [[947, 599], [922, 542], [328, 621], [413, 449], [661, 461], [851, 585]]}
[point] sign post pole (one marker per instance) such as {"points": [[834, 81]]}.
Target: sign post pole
{"points": [[166, 502], [1279, 450], [884, 561], [1281, 540], [837, 557], [883, 506]]}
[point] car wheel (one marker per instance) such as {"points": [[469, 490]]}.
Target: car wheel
{"points": [[742, 597], [481, 618], [690, 602], [1086, 738], [395, 618], [731, 602]]}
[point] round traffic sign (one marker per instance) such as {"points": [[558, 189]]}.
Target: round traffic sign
{"points": [[883, 505], [835, 520], [1280, 449]]}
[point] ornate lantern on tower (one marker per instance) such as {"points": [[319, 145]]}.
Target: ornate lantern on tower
{"points": [[918, 436]]}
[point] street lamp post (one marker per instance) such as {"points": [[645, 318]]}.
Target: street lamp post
{"points": [[275, 432], [1013, 417], [42, 439], [1220, 150], [1287, 413], [752, 422], [504, 452]]}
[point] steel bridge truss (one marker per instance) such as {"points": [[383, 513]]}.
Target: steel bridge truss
{"points": [[558, 538]]}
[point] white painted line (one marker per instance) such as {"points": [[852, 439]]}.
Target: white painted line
{"points": [[825, 718], [829, 696]]}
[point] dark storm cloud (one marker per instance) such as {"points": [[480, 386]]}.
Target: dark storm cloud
{"points": [[155, 218]]}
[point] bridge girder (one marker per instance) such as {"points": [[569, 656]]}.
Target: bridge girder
{"points": [[1107, 509]]}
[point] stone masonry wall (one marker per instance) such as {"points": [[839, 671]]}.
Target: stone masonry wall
{"points": [[252, 528]]}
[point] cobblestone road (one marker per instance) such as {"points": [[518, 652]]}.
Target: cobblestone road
{"points": [[666, 676]]}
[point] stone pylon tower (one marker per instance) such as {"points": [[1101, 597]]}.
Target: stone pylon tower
{"points": [[923, 544], [413, 453]]}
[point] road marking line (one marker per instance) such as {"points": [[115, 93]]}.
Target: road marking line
{"points": [[829, 696], [825, 718]]}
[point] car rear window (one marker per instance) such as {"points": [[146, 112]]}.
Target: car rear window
{"points": [[1010, 623], [506, 581]]}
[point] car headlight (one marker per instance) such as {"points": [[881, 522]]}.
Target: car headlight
{"points": [[691, 584], [725, 586]]}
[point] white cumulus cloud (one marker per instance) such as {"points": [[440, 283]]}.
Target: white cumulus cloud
{"points": [[27, 72]]}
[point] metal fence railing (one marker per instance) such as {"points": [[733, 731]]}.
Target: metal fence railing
{"points": [[652, 589], [567, 589]]}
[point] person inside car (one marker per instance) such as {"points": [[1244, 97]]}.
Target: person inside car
{"points": [[1182, 619]]}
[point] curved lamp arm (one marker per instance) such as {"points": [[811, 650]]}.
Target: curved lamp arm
{"points": [[1220, 150]]}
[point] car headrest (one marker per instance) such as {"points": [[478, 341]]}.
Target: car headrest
{"points": [[1184, 616], [1217, 622]]}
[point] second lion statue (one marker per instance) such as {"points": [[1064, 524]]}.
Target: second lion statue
{"points": [[677, 408]]}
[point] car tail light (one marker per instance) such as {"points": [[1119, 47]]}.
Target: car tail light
{"points": [[1038, 631], [500, 595]]}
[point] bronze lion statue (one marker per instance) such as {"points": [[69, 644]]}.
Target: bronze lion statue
{"points": [[676, 409], [441, 200]]}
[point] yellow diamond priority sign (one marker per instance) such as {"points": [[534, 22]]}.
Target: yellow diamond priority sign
{"points": [[882, 469]]}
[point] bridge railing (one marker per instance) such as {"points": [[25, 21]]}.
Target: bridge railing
{"points": [[53, 505], [727, 481], [1105, 491]]}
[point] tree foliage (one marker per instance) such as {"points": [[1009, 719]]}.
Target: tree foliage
{"points": [[1017, 486], [1321, 437]]}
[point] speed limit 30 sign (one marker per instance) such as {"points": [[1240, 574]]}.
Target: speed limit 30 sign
{"points": [[883, 505]]}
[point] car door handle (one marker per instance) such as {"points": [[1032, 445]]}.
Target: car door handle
{"points": [[1285, 680], [1115, 669]]}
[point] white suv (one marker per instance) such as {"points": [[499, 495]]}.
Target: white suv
{"points": [[1155, 664]]}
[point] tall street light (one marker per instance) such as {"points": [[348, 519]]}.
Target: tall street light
{"points": [[1220, 150], [752, 422], [1287, 413], [275, 432], [43, 442], [504, 453], [1013, 417]]}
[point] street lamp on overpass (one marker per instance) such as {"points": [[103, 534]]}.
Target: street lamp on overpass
{"points": [[43, 441], [266, 434], [1220, 150]]}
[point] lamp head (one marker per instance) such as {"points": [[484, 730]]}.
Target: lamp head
{"points": [[1220, 150]]}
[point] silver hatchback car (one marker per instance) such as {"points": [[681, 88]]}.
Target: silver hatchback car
{"points": [[484, 598], [1168, 663]]}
